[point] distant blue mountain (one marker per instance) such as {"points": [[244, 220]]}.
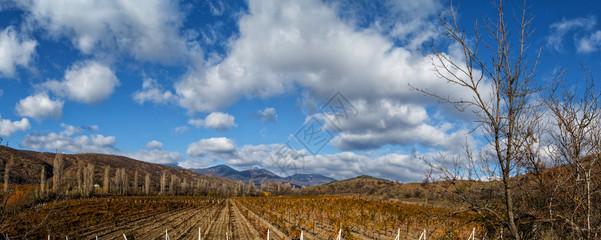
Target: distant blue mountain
{"points": [[258, 175]]}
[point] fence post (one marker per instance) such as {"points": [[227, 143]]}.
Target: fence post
{"points": [[473, 234], [423, 236]]}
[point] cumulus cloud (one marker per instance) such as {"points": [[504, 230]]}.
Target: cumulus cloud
{"points": [[216, 145], [8, 127], [148, 31], [268, 114], [87, 82], [387, 122], [15, 50], [305, 44], [154, 153], [39, 106], [71, 139], [215, 120], [153, 92], [154, 144]]}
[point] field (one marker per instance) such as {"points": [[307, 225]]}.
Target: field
{"points": [[237, 218]]}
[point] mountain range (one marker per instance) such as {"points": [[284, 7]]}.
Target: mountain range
{"points": [[258, 175]]}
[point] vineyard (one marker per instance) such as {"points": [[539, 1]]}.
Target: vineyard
{"points": [[184, 217]]}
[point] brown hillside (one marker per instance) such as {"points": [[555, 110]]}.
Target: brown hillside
{"points": [[28, 164]]}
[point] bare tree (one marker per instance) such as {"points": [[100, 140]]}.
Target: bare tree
{"points": [[184, 186], [57, 172], [147, 184], [163, 182], [576, 143], [173, 184], [125, 179], [7, 168], [121, 181], [106, 179], [79, 166], [43, 181], [88, 179], [135, 188], [499, 95]]}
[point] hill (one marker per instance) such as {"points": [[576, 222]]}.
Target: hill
{"points": [[309, 179], [27, 167], [259, 175], [381, 188]]}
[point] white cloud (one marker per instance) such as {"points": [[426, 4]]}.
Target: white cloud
{"points": [[215, 120], [217, 145], [382, 122], [8, 127], [70, 139], [305, 44], [154, 153], [181, 129], [154, 144], [148, 30], [15, 50], [157, 156], [268, 114], [589, 43], [39, 106], [341, 165], [87, 82], [563, 27], [152, 91]]}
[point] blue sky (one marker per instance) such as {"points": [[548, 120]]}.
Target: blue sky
{"points": [[210, 81]]}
